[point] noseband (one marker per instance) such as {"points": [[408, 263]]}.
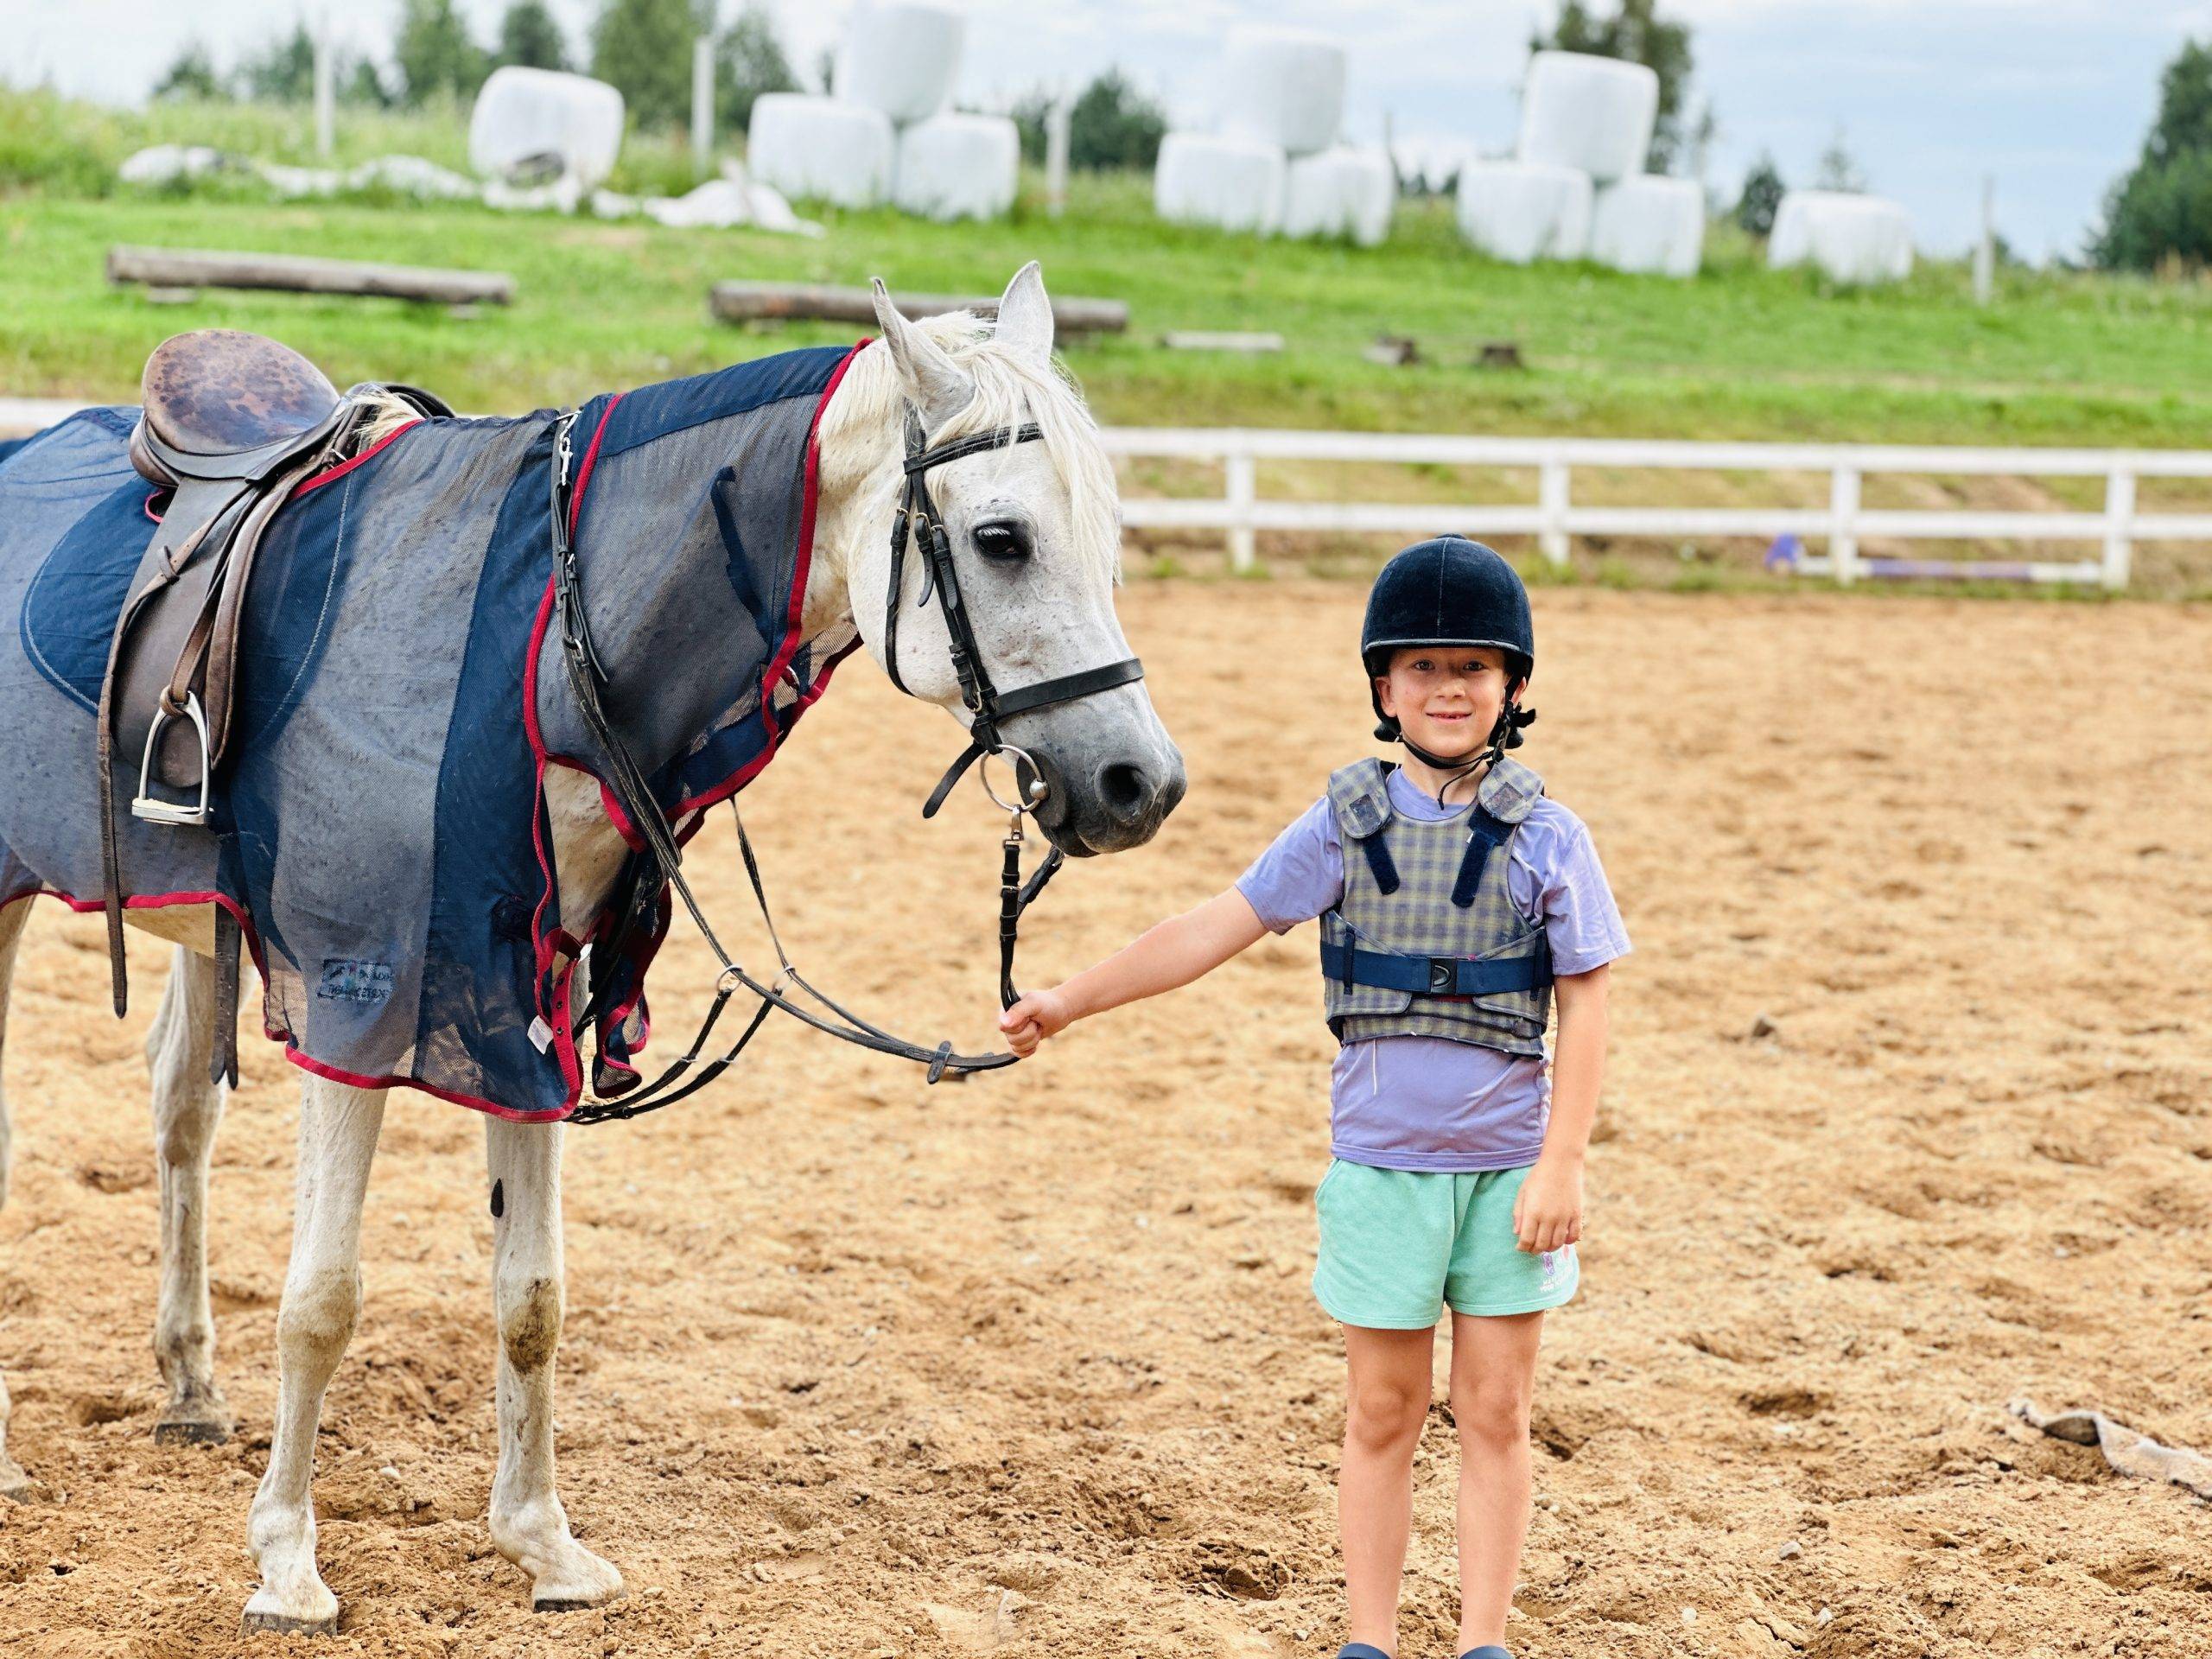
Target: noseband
{"points": [[988, 707]]}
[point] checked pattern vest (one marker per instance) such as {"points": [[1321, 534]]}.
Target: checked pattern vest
{"points": [[1425, 941]]}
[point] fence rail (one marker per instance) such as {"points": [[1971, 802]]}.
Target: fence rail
{"points": [[1239, 513], [1554, 519]]}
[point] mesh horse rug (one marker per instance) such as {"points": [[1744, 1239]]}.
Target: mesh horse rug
{"points": [[380, 833]]}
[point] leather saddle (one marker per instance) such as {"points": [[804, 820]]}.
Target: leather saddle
{"points": [[230, 424]]}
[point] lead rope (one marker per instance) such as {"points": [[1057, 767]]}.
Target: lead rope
{"points": [[587, 677]]}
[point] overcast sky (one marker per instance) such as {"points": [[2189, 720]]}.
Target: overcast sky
{"points": [[2051, 97]]}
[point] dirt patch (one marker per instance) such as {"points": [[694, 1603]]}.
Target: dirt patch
{"points": [[1028, 1366]]}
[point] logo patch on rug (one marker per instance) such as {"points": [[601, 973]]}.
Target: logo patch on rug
{"points": [[346, 979]]}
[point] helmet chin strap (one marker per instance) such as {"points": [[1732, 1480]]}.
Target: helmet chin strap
{"points": [[1510, 719]]}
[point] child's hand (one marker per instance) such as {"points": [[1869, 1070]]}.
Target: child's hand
{"points": [[1548, 1212], [1037, 1015]]}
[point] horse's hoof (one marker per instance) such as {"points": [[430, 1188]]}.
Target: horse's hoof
{"points": [[190, 1432], [281, 1625], [571, 1604]]}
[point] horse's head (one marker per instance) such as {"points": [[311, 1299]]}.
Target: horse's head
{"points": [[1034, 533]]}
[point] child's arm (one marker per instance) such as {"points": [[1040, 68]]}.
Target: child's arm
{"points": [[1547, 1214], [1172, 953]]}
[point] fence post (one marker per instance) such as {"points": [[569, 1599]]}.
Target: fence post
{"points": [[1551, 500], [2120, 526], [1843, 524], [702, 105], [1240, 469]]}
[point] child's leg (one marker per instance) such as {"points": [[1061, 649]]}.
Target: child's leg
{"points": [[1493, 1372], [1385, 1403]]}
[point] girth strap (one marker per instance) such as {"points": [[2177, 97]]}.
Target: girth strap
{"points": [[223, 1055], [1435, 976]]}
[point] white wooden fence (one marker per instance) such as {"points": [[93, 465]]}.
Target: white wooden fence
{"points": [[1554, 519]]}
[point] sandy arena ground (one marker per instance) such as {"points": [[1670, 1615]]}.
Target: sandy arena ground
{"points": [[1029, 1365]]}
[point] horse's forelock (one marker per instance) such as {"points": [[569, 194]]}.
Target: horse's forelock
{"points": [[1012, 388]]}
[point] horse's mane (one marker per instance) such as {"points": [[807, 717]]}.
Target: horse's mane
{"points": [[1011, 388]]}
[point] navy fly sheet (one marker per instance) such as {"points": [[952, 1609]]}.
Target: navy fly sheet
{"points": [[381, 831]]}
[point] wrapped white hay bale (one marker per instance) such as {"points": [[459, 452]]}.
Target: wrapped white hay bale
{"points": [[1650, 223], [1233, 184], [1282, 86], [545, 123], [822, 149], [172, 164], [1524, 211], [1852, 238], [900, 59], [1592, 114], [959, 167], [1341, 192]]}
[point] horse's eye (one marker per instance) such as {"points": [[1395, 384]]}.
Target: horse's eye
{"points": [[1002, 542]]}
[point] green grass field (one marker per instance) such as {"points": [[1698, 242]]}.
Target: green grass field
{"points": [[1740, 352], [2060, 358]]}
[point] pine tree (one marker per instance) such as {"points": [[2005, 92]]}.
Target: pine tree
{"points": [[192, 75], [1762, 195], [530, 38], [643, 48], [284, 73], [2161, 210], [749, 60], [435, 53]]}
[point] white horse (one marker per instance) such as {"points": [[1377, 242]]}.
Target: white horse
{"points": [[1114, 776]]}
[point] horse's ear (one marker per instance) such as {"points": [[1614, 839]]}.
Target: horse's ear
{"points": [[933, 382], [1026, 315]]}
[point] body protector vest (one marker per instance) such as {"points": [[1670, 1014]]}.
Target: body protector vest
{"points": [[379, 833], [1426, 942]]}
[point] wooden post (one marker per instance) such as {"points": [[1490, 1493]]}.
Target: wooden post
{"points": [[1243, 540], [1552, 497], [743, 301], [1056, 119], [1843, 525], [186, 267], [2120, 526], [702, 105], [1985, 267], [326, 89]]}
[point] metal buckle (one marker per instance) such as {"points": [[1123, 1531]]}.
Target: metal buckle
{"points": [[1443, 975], [149, 806]]}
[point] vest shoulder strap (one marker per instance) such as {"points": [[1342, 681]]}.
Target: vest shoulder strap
{"points": [[1359, 794], [1508, 790]]}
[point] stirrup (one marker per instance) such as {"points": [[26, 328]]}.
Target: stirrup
{"points": [[150, 807]]}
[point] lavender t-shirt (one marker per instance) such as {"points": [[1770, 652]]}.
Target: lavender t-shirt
{"points": [[1429, 1102]]}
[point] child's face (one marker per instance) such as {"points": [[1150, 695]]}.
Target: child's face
{"points": [[1447, 698]]}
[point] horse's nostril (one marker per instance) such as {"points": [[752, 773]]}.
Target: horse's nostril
{"points": [[1125, 789]]}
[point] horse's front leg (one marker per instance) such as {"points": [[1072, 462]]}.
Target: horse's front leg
{"points": [[322, 1298], [528, 1526], [186, 1109]]}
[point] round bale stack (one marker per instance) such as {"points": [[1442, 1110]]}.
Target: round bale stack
{"points": [[900, 59], [1274, 162], [1851, 239], [1592, 114], [542, 122]]}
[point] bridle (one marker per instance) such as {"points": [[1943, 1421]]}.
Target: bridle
{"points": [[988, 707]]}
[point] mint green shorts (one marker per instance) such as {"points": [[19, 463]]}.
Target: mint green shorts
{"points": [[1398, 1246]]}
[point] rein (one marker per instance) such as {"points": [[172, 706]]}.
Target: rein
{"points": [[986, 707]]}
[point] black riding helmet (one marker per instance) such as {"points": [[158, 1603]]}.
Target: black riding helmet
{"points": [[1450, 591]]}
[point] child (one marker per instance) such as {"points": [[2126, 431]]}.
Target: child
{"points": [[1456, 1175]]}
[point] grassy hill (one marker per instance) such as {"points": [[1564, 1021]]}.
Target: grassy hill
{"points": [[2060, 358]]}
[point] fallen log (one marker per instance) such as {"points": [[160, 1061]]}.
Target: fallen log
{"points": [[187, 269], [813, 303]]}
